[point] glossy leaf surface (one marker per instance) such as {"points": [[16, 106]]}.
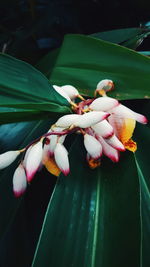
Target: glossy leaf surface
{"points": [[21, 218], [95, 218], [77, 65], [128, 37], [24, 87]]}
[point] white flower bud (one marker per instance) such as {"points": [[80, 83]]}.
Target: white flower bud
{"points": [[124, 112], [61, 158], [60, 91], [70, 90], [67, 120], [89, 119], [104, 103], [19, 181], [103, 129], [7, 158], [109, 151], [105, 85], [33, 160], [115, 143], [92, 146]]}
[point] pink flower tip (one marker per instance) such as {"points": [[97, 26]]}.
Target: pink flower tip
{"points": [[66, 172], [18, 194], [145, 120], [30, 175], [110, 134], [114, 159], [121, 149], [106, 115]]}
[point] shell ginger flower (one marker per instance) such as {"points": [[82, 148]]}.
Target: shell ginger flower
{"points": [[105, 125]]}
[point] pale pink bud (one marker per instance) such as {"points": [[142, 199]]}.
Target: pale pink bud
{"points": [[61, 158], [67, 120], [19, 181], [104, 103], [33, 160], [92, 146], [109, 151], [7, 158], [89, 119], [103, 129], [124, 112], [115, 143], [70, 90]]}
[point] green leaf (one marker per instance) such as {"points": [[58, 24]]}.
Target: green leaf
{"points": [[47, 63], [84, 61], [128, 37], [14, 137], [142, 162], [145, 53], [21, 219], [93, 216], [24, 87]]}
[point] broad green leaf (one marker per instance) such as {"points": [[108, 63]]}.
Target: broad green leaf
{"points": [[14, 137], [142, 162], [8, 115], [24, 87], [84, 61], [47, 63], [21, 219], [93, 216], [145, 53], [128, 37]]}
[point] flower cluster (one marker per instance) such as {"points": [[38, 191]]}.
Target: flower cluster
{"points": [[106, 125]]}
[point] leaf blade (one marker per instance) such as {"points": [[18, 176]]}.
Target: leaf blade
{"points": [[83, 69]]}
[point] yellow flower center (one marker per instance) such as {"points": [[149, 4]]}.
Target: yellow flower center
{"points": [[51, 166], [126, 133]]}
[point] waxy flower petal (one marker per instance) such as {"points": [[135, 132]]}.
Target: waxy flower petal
{"points": [[124, 128], [108, 150], [34, 159], [61, 158], [104, 103], [52, 144], [92, 146], [67, 120], [51, 166], [103, 129], [70, 90], [26, 156], [124, 112], [7, 158], [19, 181], [105, 84], [89, 119], [60, 91], [115, 143]]}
